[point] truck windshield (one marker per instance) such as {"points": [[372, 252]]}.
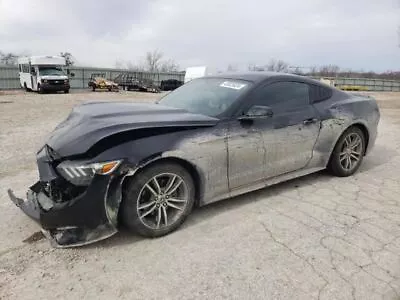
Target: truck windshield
{"points": [[50, 70], [207, 96]]}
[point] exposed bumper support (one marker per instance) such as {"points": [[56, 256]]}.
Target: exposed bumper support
{"points": [[68, 237], [29, 206], [70, 224]]}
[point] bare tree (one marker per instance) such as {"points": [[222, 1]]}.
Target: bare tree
{"points": [[135, 67], [297, 71], [281, 66], [169, 66], [119, 64], [153, 60], [69, 58], [251, 67], [313, 71], [271, 65], [329, 70], [277, 66], [8, 58]]}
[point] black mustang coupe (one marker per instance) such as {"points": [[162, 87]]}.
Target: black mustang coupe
{"points": [[147, 165]]}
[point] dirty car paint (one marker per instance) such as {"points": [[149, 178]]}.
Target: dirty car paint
{"points": [[226, 156]]}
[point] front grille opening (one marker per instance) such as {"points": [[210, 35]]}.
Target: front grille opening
{"points": [[60, 190]]}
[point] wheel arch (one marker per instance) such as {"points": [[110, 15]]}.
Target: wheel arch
{"points": [[365, 131], [359, 125], [190, 167]]}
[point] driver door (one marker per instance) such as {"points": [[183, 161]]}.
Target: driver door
{"points": [[281, 141], [34, 74], [246, 152]]}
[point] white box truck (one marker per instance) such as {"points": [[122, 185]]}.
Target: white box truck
{"points": [[43, 73], [197, 72]]}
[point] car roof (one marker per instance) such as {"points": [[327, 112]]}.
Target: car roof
{"points": [[257, 77]]}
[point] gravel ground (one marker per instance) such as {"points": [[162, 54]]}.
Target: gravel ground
{"points": [[317, 237]]}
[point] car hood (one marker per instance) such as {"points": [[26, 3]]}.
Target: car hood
{"points": [[90, 122]]}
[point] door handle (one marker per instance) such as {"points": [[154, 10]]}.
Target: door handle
{"points": [[310, 121]]}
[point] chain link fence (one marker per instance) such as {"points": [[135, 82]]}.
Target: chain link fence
{"points": [[9, 76], [9, 79]]}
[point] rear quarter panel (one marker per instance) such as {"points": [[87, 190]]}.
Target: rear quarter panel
{"points": [[337, 114]]}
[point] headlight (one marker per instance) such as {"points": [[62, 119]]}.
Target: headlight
{"points": [[82, 174], [66, 81]]}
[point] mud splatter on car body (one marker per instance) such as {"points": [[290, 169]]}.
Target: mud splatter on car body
{"points": [[227, 154]]}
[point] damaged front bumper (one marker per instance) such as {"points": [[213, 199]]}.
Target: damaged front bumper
{"points": [[87, 218]]}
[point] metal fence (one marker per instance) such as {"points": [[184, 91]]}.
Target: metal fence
{"points": [[9, 78], [363, 84]]}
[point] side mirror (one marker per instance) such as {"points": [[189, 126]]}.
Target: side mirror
{"points": [[72, 74], [257, 112]]}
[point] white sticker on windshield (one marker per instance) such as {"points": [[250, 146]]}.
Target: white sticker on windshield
{"points": [[233, 85]]}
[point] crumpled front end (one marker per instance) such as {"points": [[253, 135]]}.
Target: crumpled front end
{"points": [[73, 214]]}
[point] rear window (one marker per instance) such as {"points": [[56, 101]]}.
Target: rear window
{"points": [[320, 93]]}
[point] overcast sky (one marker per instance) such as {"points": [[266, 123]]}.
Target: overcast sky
{"points": [[358, 34]]}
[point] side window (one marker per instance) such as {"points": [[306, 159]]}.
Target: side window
{"points": [[283, 96]]}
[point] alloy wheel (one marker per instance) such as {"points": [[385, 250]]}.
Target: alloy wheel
{"points": [[162, 200], [351, 151]]}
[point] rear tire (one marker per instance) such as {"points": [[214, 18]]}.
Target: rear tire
{"points": [[348, 153], [155, 208]]}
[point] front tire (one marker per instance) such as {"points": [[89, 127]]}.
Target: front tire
{"points": [[348, 153], [39, 89], [158, 199], [66, 92]]}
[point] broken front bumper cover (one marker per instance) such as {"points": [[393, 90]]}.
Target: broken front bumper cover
{"points": [[84, 220]]}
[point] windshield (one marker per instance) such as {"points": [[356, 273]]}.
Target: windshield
{"points": [[51, 70], [207, 96]]}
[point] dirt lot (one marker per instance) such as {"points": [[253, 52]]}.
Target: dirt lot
{"points": [[315, 237]]}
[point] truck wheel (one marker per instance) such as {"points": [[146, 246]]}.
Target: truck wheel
{"points": [[66, 91], [39, 89], [26, 87], [93, 88]]}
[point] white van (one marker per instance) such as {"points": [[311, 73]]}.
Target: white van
{"points": [[43, 73]]}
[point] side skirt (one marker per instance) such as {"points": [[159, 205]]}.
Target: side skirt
{"points": [[262, 184]]}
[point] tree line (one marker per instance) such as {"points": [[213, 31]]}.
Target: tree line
{"points": [[154, 61], [329, 70], [11, 59]]}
